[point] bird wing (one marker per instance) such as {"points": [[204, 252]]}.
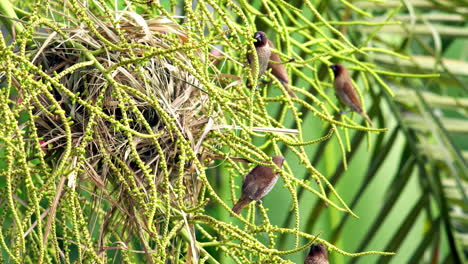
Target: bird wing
{"points": [[352, 97], [278, 70], [259, 182], [249, 186]]}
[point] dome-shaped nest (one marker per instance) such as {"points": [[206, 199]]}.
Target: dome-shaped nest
{"points": [[130, 121], [125, 104]]}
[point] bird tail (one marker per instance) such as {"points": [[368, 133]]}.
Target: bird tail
{"points": [[367, 118], [240, 204], [288, 89]]}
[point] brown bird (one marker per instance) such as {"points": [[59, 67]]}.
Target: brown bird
{"points": [[257, 184], [317, 255], [345, 91], [263, 50], [279, 71]]}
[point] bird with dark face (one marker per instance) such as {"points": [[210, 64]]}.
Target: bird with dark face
{"points": [[345, 91], [258, 183], [262, 48], [317, 255]]}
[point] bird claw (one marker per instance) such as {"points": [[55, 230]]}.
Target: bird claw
{"points": [[259, 201]]}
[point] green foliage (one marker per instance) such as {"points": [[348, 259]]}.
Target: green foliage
{"points": [[112, 122]]}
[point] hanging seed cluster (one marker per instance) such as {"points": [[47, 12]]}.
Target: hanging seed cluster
{"points": [[110, 120]]}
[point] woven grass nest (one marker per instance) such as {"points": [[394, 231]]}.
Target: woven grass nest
{"points": [[178, 92], [126, 123]]}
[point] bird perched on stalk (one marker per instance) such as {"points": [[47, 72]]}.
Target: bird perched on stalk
{"points": [[262, 48], [258, 183], [345, 91], [317, 255]]}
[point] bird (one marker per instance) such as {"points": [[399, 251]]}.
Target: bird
{"points": [[345, 91], [263, 50], [317, 255], [258, 183], [279, 71]]}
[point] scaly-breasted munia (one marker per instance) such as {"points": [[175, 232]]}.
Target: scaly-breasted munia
{"points": [[317, 255], [345, 91], [263, 51], [258, 183]]}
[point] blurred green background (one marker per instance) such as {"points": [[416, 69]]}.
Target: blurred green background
{"points": [[408, 185]]}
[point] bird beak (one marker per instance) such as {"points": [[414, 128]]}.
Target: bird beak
{"points": [[257, 36]]}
